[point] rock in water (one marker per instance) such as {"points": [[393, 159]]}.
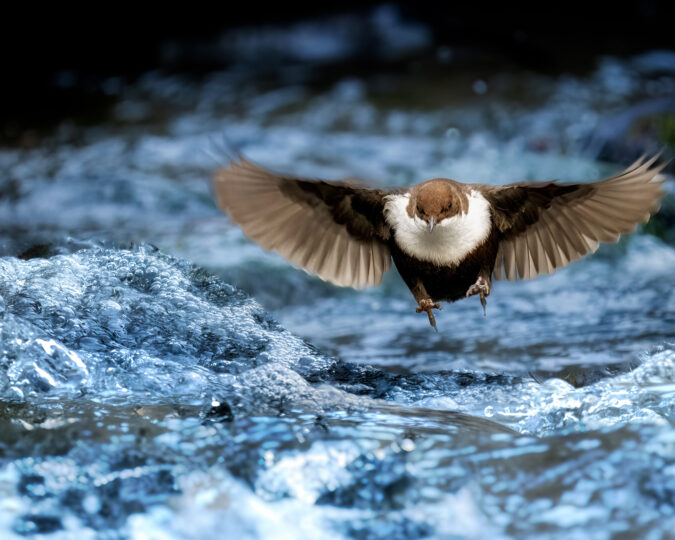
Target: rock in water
{"points": [[136, 325]]}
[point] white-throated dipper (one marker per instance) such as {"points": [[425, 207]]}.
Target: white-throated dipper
{"points": [[446, 238]]}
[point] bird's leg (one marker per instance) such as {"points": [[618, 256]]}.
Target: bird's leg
{"points": [[425, 303], [481, 287]]}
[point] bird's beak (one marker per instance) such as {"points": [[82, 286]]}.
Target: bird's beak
{"points": [[431, 224]]}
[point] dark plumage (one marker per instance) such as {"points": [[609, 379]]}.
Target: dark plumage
{"points": [[447, 239]]}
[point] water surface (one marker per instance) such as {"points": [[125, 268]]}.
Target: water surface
{"points": [[162, 377]]}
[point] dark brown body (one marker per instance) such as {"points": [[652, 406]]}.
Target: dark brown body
{"points": [[449, 283]]}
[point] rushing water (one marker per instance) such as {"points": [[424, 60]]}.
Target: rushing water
{"points": [[142, 394]]}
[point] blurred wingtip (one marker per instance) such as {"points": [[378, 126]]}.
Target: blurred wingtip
{"points": [[223, 150]]}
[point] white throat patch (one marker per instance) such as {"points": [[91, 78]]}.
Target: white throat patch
{"points": [[451, 240]]}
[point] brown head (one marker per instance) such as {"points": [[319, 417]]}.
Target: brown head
{"points": [[436, 200]]}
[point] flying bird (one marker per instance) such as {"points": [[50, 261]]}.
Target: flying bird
{"points": [[447, 239]]}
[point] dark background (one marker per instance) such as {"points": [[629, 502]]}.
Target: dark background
{"points": [[56, 59]]}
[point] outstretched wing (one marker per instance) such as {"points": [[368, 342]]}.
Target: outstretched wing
{"points": [[548, 225], [331, 229]]}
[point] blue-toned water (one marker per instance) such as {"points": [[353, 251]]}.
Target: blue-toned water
{"points": [[162, 377]]}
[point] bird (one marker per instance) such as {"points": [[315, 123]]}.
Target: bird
{"points": [[447, 239]]}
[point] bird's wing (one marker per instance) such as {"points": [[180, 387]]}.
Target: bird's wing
{"points": [[331, 229], [548, 225]]}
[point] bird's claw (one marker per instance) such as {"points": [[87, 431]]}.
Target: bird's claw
{"points": [[427, 305], [482, 288]]}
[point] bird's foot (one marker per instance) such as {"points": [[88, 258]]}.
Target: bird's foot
{"points": [[427, 304], [481, 287]]}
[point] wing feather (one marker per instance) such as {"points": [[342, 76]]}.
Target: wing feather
{"points": [[332, 229], [546, 226]]}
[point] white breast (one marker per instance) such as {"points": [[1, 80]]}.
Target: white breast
{"points": [[451, 240]]}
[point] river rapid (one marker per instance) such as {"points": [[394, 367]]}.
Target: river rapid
{"points": [[163, 377]]}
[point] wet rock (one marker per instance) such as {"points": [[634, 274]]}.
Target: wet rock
{"points": [[36, 251]]}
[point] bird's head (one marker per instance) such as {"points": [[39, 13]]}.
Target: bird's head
{"points": [[435, 201]]}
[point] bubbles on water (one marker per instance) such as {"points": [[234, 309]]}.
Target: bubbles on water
{"points": [[110, 319]]}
